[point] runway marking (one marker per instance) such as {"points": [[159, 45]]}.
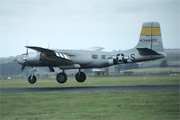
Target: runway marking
{"points": [[92, 88]]}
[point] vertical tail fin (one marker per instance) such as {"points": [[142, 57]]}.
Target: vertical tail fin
{"points": [[150, 37]]}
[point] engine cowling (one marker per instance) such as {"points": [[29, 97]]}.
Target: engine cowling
{"points": [[33, 59], [30, 59]]}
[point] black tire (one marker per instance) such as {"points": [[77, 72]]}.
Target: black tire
{"points": [[61, 78], [32, 79], [80, 76]]}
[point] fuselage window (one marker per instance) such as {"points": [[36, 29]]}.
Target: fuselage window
{"points": [[94, 56], [103, 56]]}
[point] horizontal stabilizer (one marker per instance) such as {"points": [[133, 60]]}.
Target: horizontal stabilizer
{"points": [[147, 51]]}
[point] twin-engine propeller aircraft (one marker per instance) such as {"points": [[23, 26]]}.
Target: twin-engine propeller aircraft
{"points": [[149, 47]]}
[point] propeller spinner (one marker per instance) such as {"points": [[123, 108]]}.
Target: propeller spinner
{"points": [[22, 59]]}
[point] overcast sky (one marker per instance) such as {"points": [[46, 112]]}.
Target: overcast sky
{"points": [[81, 24]]}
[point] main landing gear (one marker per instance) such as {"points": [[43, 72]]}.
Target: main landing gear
{"points": [[80, 76], [62, 77]]}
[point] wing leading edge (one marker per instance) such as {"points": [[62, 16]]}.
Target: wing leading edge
{"points": [[50, 52]]}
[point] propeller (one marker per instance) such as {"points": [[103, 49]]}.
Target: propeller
{"points": [[26, 48], [23, 66], [25, 59]]}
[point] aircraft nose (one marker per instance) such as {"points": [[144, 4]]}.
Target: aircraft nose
{"points": [[21, 59]]}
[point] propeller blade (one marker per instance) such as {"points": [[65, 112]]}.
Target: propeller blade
{"points": [[24, 65], [26, 51], [27, 48]]}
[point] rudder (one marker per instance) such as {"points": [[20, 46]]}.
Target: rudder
{"points": [[150, 37]]}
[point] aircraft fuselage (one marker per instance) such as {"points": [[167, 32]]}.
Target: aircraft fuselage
{"points": [[85, 59]]}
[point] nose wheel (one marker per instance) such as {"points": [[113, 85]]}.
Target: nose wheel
{"points": [[80, 76], [32, 79]]}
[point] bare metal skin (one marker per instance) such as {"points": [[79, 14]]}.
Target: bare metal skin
{"points": [[149, 47]]}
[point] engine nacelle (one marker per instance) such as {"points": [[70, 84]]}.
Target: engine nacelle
{"points": [[33, 59]]}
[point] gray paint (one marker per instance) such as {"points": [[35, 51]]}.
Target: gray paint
{"points": [[82, 59]]}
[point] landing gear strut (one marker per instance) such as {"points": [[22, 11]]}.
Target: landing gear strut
{"points": [[32, 78], [80, 76], [61, 77]]}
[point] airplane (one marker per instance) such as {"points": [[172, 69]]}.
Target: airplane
{"points": [[149, 47]]}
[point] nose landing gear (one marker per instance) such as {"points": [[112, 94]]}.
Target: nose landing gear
{"points": [[32, 78]]}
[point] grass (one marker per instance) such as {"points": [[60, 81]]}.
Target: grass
{"points": [[155, 70], [94, 81], [97, 105]]}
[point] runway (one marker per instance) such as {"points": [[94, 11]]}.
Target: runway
{"points": [[96, 88]]}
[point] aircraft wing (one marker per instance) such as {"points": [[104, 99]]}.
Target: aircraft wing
{"points": [[43, 50], [49, 52]]}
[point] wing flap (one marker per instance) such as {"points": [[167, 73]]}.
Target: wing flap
{"points": [[147, 51]]}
